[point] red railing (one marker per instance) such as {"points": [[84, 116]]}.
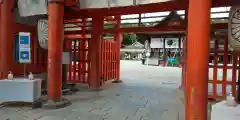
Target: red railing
{"points": [[78, 71], [109, 65], [222, 77], [77, 44], [79, 68]]}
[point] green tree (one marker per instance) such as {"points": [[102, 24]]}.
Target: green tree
{"points": [[129, 39]]}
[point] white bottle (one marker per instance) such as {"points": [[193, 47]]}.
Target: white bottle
{"points": [[30, 76], [231, 100], [10, 75]]}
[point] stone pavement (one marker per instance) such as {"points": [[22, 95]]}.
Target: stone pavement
{"points": [[147, 93], [221, 111]]}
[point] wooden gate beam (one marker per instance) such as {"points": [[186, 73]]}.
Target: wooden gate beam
{"points": [[162, 29], [145, 8], [197, 64]]}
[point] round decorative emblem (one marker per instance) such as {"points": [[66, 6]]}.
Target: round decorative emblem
{"points": [[234, 27], [170, 42], [42, 27]]}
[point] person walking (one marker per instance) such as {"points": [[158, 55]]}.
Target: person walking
{"points": [[143, 58]]}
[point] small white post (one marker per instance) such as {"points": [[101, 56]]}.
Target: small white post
{"points": [[147, 60]]}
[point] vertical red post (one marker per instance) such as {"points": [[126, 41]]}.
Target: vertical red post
{"points": [[95, 51], [85, 50], [115, 64], [215, 67], [6, 37], [225, 62], [112, 55], [55, 48], [74, 66], [69, 48], [118, 37], [108, 57], [104, 60], [110, 60], [234, 75], [79, 60], [197, 64]]}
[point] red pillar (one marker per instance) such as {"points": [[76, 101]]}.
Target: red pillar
{"points": [[55, 47], [95, 51], [118, 37], [6, 37], [197, 59]]}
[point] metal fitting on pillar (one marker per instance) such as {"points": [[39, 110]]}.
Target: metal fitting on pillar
{"points": [[56, 1]]}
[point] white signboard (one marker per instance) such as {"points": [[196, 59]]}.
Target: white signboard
{"points": [[156, 43], [24, 47], [175, 43]]}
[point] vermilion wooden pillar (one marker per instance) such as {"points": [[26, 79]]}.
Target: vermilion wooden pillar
{"points": [[95, 51], [6, 37], [118, 37], [197, 59], [55, 48]]}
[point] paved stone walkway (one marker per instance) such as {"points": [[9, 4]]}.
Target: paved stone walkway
{"points": [[145, 94]]}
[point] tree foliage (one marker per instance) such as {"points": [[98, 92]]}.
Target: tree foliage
{"points": [[129, 39]]}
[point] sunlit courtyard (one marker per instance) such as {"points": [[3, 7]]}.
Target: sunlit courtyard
{"points": [[147, 92]]}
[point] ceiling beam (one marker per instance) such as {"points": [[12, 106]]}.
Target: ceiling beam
{"points": [[146, 8]]}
